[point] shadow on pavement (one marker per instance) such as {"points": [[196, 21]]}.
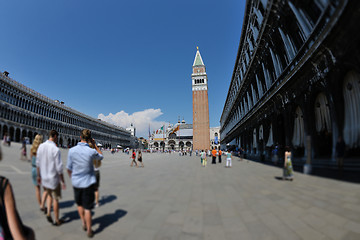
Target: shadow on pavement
{"points": [[106, 199], [108, 219], [66, 204], [279, 178], [70, 216]]}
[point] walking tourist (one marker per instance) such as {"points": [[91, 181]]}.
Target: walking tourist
{"points": [[133, 157], [213, 154], [219, 152], [203, 158], [340, 152], [11, 226], [41, 200], [50, 174], [7, 139], [241, 154], [140, 158], [228, 159], [97, 164], [23, 155], [288, 169], [81, 171]]}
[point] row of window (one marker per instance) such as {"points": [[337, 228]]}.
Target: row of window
{"points": [[48, 124], [198, 81], [32, 104]]}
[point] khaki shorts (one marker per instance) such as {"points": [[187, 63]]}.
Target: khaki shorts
{"points": [[54, 193]]}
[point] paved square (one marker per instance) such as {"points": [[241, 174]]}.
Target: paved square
{"points": [[173, 197]]}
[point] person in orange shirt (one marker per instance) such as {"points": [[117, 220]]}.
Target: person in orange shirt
{"points": [[220, 152], [213, 153]]}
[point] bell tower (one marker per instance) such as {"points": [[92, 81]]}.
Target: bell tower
{"points": [[201, 125]]}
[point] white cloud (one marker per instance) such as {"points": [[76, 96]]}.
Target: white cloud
{"points": [[140, 120]]}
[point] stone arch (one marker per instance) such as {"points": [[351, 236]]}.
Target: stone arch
{"points": [[61, 142], [172, 136], [254, 142], [30, 136], [5, 131], [323, 127], [188, 144], [11, 133], [24, 133], [322, 113], [298, 135], [156, 144], [298, 138], [17, 135], [351, 92], [181, 145], [171, 144]]}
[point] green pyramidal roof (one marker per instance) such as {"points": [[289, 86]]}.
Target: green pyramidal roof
{"points": [[198, 60]]}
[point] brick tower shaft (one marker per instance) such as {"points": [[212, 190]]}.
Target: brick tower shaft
{"points": [[201, 124]]}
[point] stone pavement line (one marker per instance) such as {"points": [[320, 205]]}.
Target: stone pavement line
{"points": [[174, 197]]}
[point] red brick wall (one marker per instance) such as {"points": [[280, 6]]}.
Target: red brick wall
{"points": [[201, 125]]}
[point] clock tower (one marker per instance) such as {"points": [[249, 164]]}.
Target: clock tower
{"points": [[201, 125]]}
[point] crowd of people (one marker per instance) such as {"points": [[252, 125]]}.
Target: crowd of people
{"points": [[83, 167], [83, 163]]}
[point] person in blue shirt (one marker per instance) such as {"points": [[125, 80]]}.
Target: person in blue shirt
{"points": [[80, 168]]}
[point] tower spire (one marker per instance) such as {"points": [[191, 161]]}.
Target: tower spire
{"points": [[198, 59]]}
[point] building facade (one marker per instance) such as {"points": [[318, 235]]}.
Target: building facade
{"points": [[25, 113], [178, 137], [201, 122], [296, 81]]}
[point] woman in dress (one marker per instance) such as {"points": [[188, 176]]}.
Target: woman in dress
{"points": [[37, 141], [288, 169]]}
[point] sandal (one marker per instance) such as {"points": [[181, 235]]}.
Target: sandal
{"points": [[90, 234], [44, 210], [58, 223], [49, 218]]}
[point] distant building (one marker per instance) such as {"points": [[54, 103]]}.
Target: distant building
{"points": [[215, 137], [200, 104], [180, 137], [172, 137]]}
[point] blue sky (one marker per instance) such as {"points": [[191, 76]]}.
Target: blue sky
{"points": [[124, 61]]}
